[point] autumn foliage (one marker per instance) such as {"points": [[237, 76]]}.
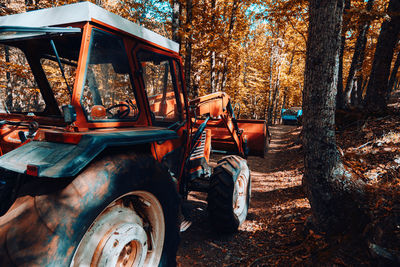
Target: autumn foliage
{"points": [[254, 50]]}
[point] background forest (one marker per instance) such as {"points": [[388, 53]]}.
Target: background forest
{"points": [[345, 54], [254, 49]]}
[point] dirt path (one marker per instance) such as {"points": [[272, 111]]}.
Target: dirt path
{"points": [[273, 232]]}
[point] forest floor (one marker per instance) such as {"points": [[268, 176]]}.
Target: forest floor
{"points": [[275, 232]]}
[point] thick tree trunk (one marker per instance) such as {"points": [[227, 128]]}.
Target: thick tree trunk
{"points": [[325, 178], [358, 56], [395, 70], [375, 100]]}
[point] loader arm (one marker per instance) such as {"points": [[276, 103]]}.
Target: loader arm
{"points": [[228, 133], [218, 107]]}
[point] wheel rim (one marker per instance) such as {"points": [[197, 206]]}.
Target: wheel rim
{"points": [[240, 196], [128, 232]]}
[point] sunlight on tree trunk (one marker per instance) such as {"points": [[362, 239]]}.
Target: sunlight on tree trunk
{"points": [[376, 100], [358, 58], [325, 177], [393, 74]]}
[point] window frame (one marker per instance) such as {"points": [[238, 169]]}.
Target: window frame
{"points": [[82, 86], [172, 61]]}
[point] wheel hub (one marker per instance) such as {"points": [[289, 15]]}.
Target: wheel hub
{"points": [[125, 246]]}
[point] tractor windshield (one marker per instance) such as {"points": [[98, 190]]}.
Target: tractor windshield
{"points": [[31, 79], [107, 92]]}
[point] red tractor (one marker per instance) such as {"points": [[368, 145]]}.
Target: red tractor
{"points": [[99, 144]]}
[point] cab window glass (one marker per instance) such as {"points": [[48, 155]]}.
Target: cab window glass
{"points": [[108, 92], [57, 81], [19, 92], [159, 82]]}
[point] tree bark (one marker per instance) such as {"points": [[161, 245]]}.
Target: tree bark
{"points": [[9, 97], [375, 100], [269, 113], [325, 178], [212, 53], [358, 56], [188, 49], [231, 25], [339, 96], [360, 90], [176, 23], [276, 104], [275, 98], [395, 70]]}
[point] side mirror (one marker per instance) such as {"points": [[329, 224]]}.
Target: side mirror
{"points": [[69, 113]]}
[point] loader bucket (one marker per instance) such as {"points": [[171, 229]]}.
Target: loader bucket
{"points": [[257, 134]]}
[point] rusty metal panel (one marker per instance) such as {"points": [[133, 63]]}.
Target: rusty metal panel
{"points": [[55, 160]]}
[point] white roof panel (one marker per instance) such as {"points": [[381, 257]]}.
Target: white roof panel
{"points": [[85, 11]]}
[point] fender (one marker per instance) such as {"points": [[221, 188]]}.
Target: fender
{"points": [[59, 160]]}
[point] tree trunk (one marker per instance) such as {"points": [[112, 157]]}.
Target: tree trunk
{"points": [[188, 49], [393, 74], [275, 99], [212, 72], [212, 53], [269, 113], [325, 178], [358, 56], [231, 25], [176, 23], [9, 97], [339, 96], [276, 104], [375, 100], [353, 94], [360, 90]]}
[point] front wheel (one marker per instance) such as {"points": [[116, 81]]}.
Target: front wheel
{"points": [[229, 194]]}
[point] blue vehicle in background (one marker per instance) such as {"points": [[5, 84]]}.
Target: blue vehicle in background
{"points": [[292, 116]]}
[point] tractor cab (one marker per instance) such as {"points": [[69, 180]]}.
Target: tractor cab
{"points": [[79, 70], [77, 80]]}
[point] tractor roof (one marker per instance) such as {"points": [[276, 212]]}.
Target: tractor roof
{"points": [[82, 12]]}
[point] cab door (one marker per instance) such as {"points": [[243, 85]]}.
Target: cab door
{"points": [[161, 79]]}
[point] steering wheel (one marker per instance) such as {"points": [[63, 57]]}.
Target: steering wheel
{"points": [[119, 114]]}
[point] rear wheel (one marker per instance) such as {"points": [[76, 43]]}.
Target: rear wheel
{"points": [[120, 211], [229, 194], [129, 232]]}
